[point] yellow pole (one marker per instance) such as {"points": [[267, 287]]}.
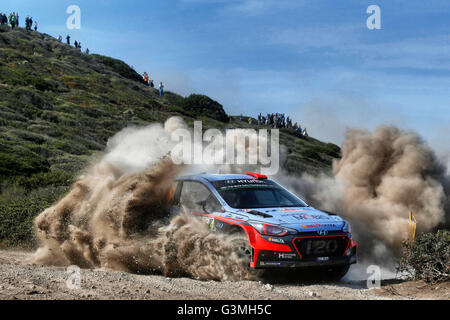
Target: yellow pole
{"points": [[412, 226]]}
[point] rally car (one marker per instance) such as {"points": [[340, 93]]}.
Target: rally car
{"points": [[280, 229]]}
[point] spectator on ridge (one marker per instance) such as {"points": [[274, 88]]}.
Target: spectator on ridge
{"points": [[68, 40], [145, 76], [28, 23], [3, 19], [161, 89]]}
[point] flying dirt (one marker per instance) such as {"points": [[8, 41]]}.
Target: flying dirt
{"points": [[380, 178], [116, 215]]}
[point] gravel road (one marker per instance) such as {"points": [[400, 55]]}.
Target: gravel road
{"points": [[19, 280]]}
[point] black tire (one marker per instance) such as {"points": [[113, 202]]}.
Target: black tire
{"points": [[243, 250], [245, 253]]}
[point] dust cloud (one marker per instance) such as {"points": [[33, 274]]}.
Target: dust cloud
{"points": [[381, 177], [116, 216]]}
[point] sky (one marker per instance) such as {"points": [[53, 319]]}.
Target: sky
{"points": [[315, 60]]}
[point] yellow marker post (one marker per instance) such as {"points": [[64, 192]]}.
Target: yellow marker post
{"points": [[412, 226]]}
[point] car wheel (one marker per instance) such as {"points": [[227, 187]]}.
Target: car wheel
{"points": [[242, 250]]}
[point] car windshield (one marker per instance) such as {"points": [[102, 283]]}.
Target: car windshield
{"points": [[249, 197]]}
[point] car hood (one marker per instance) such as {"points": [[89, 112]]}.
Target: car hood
{"points": [[300, 218]]}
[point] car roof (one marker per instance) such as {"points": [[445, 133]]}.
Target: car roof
{"points": [[214, 177]]}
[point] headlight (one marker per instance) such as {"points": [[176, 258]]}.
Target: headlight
{"points": [[346, 228], [270, 230]]}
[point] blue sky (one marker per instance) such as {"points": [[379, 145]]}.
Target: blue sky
{"points": [[315, 60]]}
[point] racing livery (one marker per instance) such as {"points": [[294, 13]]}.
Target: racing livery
{"points": [[280, 229]]}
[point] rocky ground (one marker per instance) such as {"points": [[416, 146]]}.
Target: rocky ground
{"points": [[19, 280]]}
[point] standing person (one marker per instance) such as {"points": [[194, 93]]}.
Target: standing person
{"points": [[68, 40], [11, 20], [145, 76], [35, 26], [87, 50], [79, 46], [161, 89], [17, 19], [76, 44], [60, 38], [152, 84]]}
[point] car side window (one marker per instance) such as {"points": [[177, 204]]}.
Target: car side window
{"points": [[193, 193]]}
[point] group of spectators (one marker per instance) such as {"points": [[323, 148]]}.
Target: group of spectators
{"points": [[77, 44], [13, 21], [28, 23], [278, 121], [149, 82]]}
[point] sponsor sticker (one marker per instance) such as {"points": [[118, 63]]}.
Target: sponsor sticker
{"points": [[323, 258]]}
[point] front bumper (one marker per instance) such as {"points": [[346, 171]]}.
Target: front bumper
{"points": [[294, 252], [273, 259]]}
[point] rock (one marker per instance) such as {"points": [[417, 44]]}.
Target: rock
{"points": [[268, 287]]}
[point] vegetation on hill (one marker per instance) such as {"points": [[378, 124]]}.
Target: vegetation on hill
{"points": [[427, 257], [58, 107]]}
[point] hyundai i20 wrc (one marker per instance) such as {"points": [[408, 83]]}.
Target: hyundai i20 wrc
{"points": [[279, 229]]}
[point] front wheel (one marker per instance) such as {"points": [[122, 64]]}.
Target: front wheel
{"points": [[244, 252]]}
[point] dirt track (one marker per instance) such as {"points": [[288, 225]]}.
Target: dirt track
{"points": [[18, 280]]}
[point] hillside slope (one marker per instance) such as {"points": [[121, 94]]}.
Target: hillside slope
{"points": [[58, 107]]}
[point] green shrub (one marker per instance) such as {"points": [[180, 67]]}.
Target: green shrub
{"points": [[119, 66], [53, 178], [15, 162], [428, 257], [200, 105], [18, 208], [311, 153]]}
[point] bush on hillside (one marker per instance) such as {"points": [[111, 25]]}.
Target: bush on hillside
{"points": [[427, 257], [200, 105], [18, 208], [15, 162], [119, 66]]}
